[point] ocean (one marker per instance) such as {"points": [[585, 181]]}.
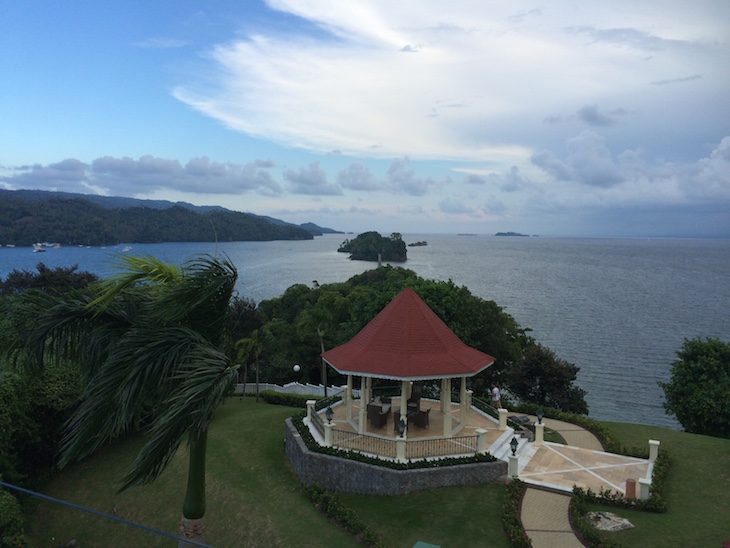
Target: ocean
{"points": [[617, 308]]}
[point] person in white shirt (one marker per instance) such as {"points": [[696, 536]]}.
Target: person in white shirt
{"points": [[496, 397]]}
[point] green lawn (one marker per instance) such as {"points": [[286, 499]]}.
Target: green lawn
{"points": [[254, 497], [697, 491]]}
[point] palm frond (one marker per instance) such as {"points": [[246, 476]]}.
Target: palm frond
{"points": [[204, 382]]}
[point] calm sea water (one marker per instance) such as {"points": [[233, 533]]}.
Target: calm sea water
{"points": [[617, 308]]}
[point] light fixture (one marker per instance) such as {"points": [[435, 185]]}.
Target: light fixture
{"points": [[296, 368], [401, 427], [513, 445], [540, 415], [329, 414]]}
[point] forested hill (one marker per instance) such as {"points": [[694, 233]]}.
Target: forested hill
{"points": [[78, 221]]}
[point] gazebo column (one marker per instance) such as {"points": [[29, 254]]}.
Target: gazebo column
{"points": [[362, 426], [462, 401], [441, 395], [405, 385], [348, 397], [446, 399]]}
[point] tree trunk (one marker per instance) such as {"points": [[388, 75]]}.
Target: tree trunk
{"points": [[194, 506], [324, 365], [257, 379]]}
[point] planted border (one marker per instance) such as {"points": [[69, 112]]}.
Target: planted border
{"points": [[312, 445], [331, 505], [511, 522]]}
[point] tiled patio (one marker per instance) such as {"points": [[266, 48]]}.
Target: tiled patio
{"points": [[550, 464], [562, 466], [474, 420]]}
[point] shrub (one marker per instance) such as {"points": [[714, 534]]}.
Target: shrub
{"points": [[511, 522], [282, 398], [315, 447], [331, 505], [12, 528]]}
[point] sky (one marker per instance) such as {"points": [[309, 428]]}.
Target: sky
{"points": [[565, 118]]}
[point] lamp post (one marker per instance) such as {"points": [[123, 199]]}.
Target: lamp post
{"points": [[540, 415], [513, 445], [296, 368], [329, 414]]}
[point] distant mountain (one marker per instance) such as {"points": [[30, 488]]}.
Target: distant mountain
{"points": [[28, 216], [229, 225], [319, 230], [107, 202]]}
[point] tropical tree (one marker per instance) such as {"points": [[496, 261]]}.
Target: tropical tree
{"points": [[153, 345], [543, 378], [698, 392]]}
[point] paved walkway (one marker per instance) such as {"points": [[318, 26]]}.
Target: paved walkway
{"points": [[545, 514], [572, 433]]}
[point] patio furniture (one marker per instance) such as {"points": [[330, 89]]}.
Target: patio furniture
{"points": [[414, 402], [420, 418], [378, 414]]}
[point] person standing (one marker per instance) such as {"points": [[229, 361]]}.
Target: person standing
{"points": [[496, 396]]}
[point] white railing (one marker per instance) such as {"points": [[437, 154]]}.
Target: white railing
{"points": [[292, 388]]}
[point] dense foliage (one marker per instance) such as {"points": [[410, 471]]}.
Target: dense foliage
{"points": [[540, 377], [46, 279], [367, 246], [698, 392], [80, 222], [338, 312]]}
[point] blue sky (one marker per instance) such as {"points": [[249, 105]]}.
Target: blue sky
{"points": [[556, 118]]}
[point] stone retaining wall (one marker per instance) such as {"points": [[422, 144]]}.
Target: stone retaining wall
{"points": [[349, 476]]}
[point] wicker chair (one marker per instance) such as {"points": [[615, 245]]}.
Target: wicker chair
{"points": [[421, 419], [377, 417]]}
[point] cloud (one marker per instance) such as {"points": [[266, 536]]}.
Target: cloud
{"points": [[311, 180], [588, 162], [126, 176], [357, 176], [590, 115], [676, 80], [455, 206], [402, 178], [69, 175]]}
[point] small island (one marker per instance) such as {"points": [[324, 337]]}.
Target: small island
{"points": [[368, 245], [418, 244], [512, 234]]}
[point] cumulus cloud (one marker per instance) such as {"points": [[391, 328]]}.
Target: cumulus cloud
{"points": [[588, 162], [357, 176], [402, 178], [311, 180], [126, 176], [69, 175]]}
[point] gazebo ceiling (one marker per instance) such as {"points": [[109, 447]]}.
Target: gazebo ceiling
{"points": [[407, 341]]}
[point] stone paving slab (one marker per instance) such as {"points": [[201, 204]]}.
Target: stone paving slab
{"points": [[561, 466], [544, 516], [572, 433]]}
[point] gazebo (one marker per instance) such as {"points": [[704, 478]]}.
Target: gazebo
{"points": [[407, 342]]}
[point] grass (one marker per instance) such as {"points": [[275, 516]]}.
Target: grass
{"points": [[696, 491], [254, 497]]}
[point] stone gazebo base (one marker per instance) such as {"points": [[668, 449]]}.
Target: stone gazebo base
{"points": [[348, 476]]}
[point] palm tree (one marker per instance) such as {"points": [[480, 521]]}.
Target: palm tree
{"points": [[154, 335]]}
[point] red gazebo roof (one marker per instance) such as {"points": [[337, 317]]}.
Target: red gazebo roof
{"points": [[407, 341]]}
